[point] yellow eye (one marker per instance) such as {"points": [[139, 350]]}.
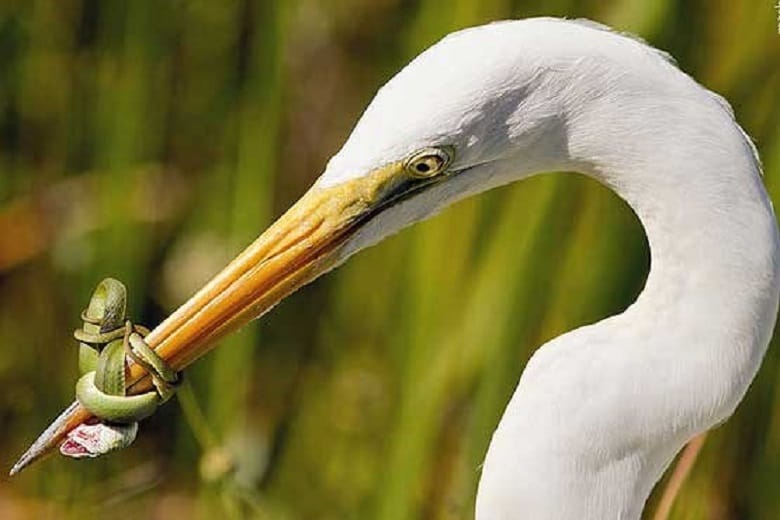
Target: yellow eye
{"points": [[428, 162]]}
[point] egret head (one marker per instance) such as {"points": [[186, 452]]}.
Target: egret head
{"points": [[494, 104]]}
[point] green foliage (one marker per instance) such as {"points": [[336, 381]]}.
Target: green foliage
{"points": [[151, 140]]}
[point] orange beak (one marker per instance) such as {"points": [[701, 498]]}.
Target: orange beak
{"points": [[304, 243]]}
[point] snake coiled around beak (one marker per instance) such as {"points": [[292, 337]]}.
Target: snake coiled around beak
{"points": [[105, 339]]}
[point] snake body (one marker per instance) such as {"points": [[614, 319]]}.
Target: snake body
{"points": [[104, 340]]}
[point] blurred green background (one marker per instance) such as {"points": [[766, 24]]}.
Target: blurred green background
{"points": [[151, 140]]}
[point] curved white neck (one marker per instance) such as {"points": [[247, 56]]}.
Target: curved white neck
{"points": [[600, 411], [692, 177]]}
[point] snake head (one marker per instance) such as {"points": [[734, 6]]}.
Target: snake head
{"points": [[94, 440]]}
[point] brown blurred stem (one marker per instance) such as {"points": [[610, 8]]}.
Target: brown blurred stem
{"points": [[680, 473]]}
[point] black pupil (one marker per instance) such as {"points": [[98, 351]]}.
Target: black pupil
{"points": [[423, 167]]}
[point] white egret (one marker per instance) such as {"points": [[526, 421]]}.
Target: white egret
{"points": [[599, 412]]}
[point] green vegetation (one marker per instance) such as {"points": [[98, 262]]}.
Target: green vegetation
{"points": [[150, 140]]}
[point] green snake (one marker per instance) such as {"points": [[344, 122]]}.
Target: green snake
{"points": [[104, 340]]}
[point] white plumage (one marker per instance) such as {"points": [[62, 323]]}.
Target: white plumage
{"points": [[600, 412]]}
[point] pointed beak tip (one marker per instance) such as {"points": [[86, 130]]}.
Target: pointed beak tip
{"points": [[22, 463]]}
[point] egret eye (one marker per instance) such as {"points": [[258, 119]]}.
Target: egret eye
{"points": [[428, 162]]}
